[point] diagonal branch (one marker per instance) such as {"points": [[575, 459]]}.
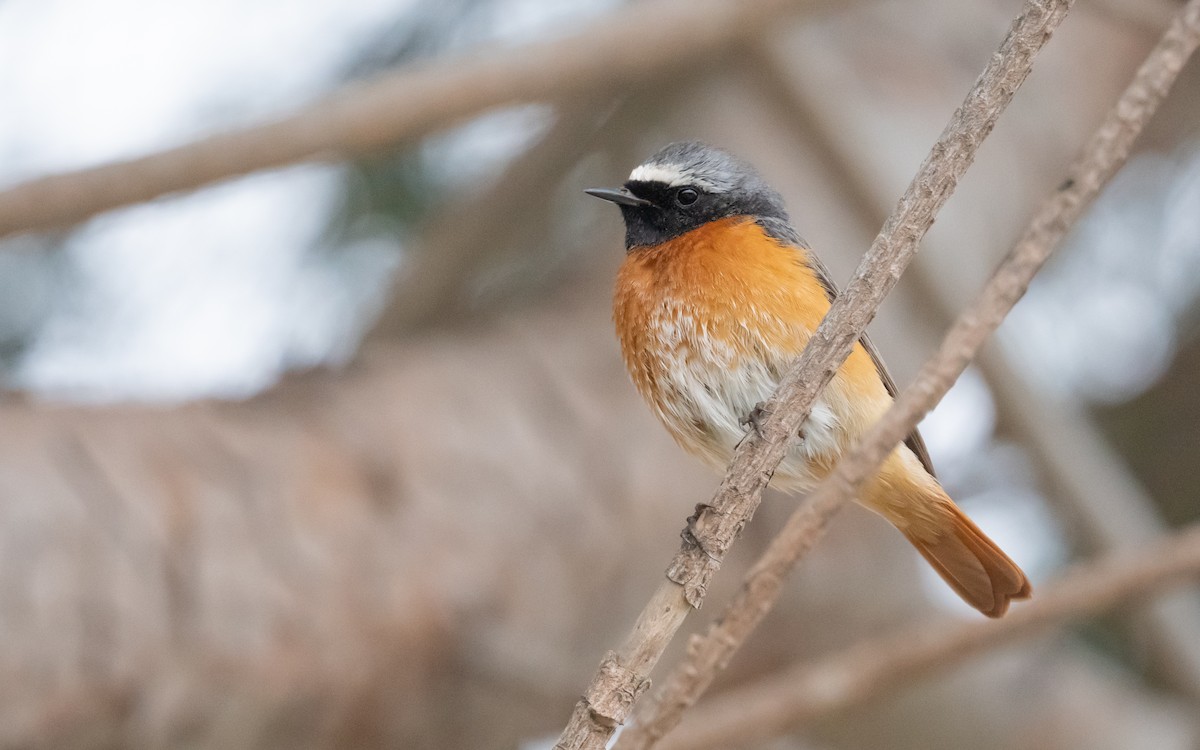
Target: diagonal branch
{"points": [[623, 675], [1108, 507], [644, 40], [1102, 156], [795, 696]]}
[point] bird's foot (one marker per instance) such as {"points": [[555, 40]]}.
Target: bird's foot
{"points": [[755, 418], [689, 532]]}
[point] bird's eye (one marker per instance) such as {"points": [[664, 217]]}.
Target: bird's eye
{"points": [[686, 196]]}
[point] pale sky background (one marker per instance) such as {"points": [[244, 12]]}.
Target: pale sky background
{"points": [[215, 293]]}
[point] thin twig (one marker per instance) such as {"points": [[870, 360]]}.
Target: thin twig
{"points": [[1102, 156], [1088, 481], [623, 675], [643, 40], [795, 696]]}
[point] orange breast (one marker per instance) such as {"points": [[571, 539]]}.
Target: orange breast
{"points": [[744, 289], [710, 321]]}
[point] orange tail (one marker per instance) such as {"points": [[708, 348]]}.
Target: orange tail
{"points": [[971, 563]]}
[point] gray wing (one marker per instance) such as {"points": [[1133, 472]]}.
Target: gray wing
{"points": [[914, 441]]}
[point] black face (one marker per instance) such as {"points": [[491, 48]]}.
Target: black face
{"points": [[677, 210]]}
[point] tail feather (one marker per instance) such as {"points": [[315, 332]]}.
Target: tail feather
{"points": [[970, 562]]}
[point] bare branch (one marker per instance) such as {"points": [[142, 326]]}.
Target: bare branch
{"points": [[645, 39], [1084, 475], [1104, 153], [795, 696], [623, 674]]}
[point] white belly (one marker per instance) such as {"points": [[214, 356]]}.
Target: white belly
{"points": [[705, 400]]}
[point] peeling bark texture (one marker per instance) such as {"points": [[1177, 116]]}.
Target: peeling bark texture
{"points": [[645, 39], [1104, 153], [798, 695], [720, 521]]}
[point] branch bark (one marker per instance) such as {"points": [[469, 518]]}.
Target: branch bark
{"points": [[1084, 475], [623, 675], [643, 40], [796, 696], [1102, 156]]}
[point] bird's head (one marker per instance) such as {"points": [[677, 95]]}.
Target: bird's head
{"points": [[686, 185]]}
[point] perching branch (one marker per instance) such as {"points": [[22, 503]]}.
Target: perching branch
{"points": [[795, 696], [1102, 156], [623, 675], [1108, 508], [645, 39]]}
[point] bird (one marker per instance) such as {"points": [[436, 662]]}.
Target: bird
{"points": [[715, 299]]}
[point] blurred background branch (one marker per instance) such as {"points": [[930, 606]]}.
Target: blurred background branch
{"points": [[1091, 482], [646, 39], [342, 453], [801, 694]]}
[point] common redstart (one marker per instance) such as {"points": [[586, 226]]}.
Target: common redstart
{"points": [[715, 300]]}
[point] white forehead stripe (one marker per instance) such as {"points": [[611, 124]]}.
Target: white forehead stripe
{"points": [[668, 174], [665, 173]]}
